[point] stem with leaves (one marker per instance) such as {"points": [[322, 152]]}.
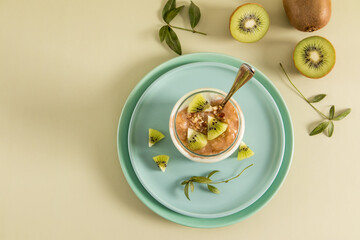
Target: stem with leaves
{"points": [[328, 122], [166, 32], [206, 180]]}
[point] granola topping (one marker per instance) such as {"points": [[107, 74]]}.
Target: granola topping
{"points": [[199, 122]]}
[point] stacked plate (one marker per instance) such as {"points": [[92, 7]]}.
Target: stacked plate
{"points": [[268, 131]]}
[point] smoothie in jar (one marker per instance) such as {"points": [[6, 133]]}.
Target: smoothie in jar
{"points": [[204, 131], [198, 121]]}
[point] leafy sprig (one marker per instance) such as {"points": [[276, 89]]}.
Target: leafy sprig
{"points": [[189, 184], [166, 32], [328, 123]]}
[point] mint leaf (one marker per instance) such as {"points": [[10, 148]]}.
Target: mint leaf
{"points": [[162, 32], [317, 98], [213, 189], [173, 42], [331, 129], [212, 173], [331, 112], [170, 5], [201, 179], [194, 15], [172, 13], [342, 115], [319, 128]]}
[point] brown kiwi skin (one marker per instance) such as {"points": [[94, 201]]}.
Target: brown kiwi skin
{"points": [[240, 7], [308, 15], [327, 72]]}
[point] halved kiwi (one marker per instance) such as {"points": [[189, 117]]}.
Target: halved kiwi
{"points": [[195, 140], [161, 161], [314, 56], [198, 104], [154, 136], [215, 128], [244, 152], [249, 23]]}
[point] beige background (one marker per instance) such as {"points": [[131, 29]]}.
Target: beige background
{"points": [[66, 69]]}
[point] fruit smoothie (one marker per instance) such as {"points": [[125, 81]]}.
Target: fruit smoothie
{"points": [[215, 128]]}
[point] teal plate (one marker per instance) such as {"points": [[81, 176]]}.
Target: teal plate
{"points": [[264, 132], [145, 196]]}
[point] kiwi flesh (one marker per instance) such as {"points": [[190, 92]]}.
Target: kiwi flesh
{"points": [[314, 57], [249, 23], [154, 136], [161, 161], [198, 104], [244, 152], [215, 128], [195, 140]]}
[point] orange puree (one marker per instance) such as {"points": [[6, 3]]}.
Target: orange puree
{"points": [[198, 122]]}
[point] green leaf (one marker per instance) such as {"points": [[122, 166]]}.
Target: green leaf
{"points": [[170, 5], [172, 13], [331, 129], [213, 189], [212, 173], [192, 186], [184, 182], [319, 128], [173, 41], [194, 15], [317, 98], [162, 32], [331, 112], [186, 191], [201, 179], [343, 114]]}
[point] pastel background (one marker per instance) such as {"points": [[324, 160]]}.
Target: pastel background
{"points": [[66, 69]]}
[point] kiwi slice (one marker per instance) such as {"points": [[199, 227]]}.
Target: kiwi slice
{"points": [[195, 140], [249, 23], [198, 104], [314, 57], [161, 161], [215, 128], [154, 136], [244, 151]]}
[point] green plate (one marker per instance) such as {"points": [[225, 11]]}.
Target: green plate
{"points": [[136, 185], [264, 133]]}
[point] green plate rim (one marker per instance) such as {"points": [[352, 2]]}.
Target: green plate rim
{"points": [[134, 182]]}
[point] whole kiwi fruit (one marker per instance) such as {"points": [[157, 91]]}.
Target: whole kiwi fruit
{"points": [[308, 15]]}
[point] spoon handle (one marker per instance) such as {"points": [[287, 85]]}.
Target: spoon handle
{"points": [[245, 73]]}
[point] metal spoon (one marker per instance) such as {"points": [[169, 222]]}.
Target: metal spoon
{"points": [[245, 73]]}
